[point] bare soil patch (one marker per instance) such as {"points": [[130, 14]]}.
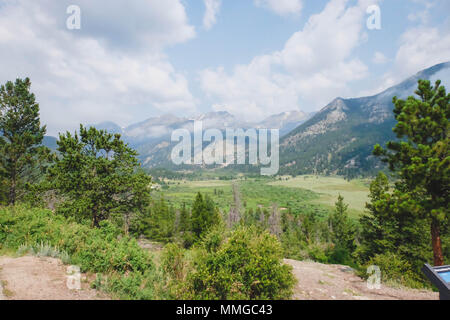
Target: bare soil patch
{"points": [[335, 282], [35, 278]]}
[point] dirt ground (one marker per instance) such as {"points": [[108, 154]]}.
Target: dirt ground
{"points": [[334, 282], [34, 278]]}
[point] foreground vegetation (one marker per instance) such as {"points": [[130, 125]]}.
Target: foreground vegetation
{"points": [[245, 263]]}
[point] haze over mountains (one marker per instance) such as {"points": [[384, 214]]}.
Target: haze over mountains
{"points": [[338, 139], [151, 138], [157, 127]]}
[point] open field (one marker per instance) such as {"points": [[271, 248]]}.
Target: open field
{"points": [[181, 191], [301, 194], [355, 192]]}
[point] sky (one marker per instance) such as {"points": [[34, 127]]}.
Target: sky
{"points": [[134, 59]]}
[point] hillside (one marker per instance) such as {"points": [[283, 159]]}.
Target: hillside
{"points": [[339, 139]]}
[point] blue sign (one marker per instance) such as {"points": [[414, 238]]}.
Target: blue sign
{"points": [[440, 277], [445, 276]]}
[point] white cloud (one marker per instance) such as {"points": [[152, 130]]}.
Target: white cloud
{"points": [[420, 48], [422, 16], [94, 74], [379, 58], [212, 10], [315, 65], [281, 7]]}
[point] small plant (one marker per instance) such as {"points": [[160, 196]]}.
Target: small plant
{"points": [[44, 249], [6, 292], [100, 282], [23, 250]]}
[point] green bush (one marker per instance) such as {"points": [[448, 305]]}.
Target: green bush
{"points": [[92, 249], [318, 252], [172, 261], [174, 267], [396, 271], [341, 255], [135, 286], [246, 265]]}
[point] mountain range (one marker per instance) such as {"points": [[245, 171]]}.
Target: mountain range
{"points": [[152, 137], [338, 139]]}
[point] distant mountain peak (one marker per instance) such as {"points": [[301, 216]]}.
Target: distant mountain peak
{"points": [[214, 115], [109, 126]]}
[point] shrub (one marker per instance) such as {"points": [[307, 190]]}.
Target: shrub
{"points": [[396, 271], [172, 261], [247, 265], [133, 286], [174, 267], [95, 250], [318, 252]]}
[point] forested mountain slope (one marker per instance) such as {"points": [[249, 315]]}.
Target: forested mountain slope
{"points": [[339, 139]]}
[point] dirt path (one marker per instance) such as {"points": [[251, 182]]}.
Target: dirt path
{"points": [[33, 278], [333, 282]]}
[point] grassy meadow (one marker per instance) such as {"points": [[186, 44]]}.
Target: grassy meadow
{"points": [[355, 192], [301, 194]]}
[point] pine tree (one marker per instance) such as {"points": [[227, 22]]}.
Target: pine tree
{"points": [[160, 225], [21, 154], [185, 223], [421, 158], [97, 174], [379, 227], [204, 215], [342, 229]]}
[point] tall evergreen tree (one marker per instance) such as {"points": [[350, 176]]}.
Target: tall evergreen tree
{"points": [[379, 226], [342, 229], [21, 136], [185, 223], [160, 225], [421, 158], [204, 214], [389, 228]]}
